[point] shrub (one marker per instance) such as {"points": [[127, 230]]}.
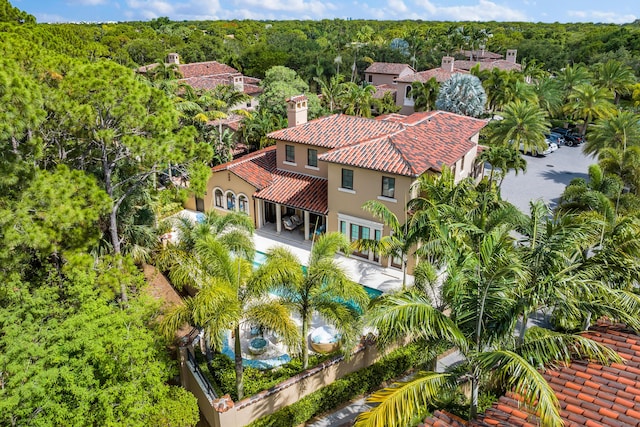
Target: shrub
{"points": [[355, 384]]}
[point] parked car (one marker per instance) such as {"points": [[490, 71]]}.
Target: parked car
{"points": [[551, 147], [571, 138], [555, 137]]}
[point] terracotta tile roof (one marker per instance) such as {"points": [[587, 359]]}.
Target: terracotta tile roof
{"points": [[427, 141], [439, 73], [297, 191], [278, 186], [382, 90], [297, 98], [232, 121], [481, 54], [589, 394], [337, 130], [387, 68], [501, 64], [210, 82], [443, 419], [200, 69], [255, 168]]}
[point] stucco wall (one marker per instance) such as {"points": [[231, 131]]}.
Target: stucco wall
{"points": [[380, 79], [300, 165]]}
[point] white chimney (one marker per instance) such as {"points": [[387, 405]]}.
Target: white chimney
{"points": [[447, 63], [297, 110], [511, 55], [173, 58], [238, 83]]}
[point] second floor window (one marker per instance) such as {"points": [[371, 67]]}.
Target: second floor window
{"points": [[388, 187], [312, 157], [290, 153], [347, 179]]}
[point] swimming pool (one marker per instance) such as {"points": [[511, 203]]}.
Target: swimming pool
{"points": [[260, 258]]}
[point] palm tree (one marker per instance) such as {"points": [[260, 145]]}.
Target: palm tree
{"points": [[502, 158], [424, 94], [397, 243], [598, 194], [623, 163], [588, 103], [215, 257], [486, 276], [323, 288], [620, 131], [523, 124], [550, 95], [616, 77], [332, 91], [572, 76], [358, 100]]}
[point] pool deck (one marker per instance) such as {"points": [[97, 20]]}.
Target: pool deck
{"points": [[361, 271], [364, 272]]}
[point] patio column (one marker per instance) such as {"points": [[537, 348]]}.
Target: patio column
{"points": [[278, 218], [306, 225]]}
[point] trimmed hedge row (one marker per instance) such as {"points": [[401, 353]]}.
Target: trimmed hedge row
{"points": [[355, 384]]}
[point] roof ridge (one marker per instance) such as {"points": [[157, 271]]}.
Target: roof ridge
{"points": [[244, 159]]}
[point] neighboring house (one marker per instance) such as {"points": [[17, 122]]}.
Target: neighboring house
{"points": [[447, 68], [491, 62], [324, 170], [450, 66], [383, 75], [208, 75], [386, 73], [589, 394]]}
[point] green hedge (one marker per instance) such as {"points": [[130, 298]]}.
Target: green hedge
{"points": [[353, 385]]}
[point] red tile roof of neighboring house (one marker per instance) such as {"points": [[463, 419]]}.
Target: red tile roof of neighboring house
{"points": [[382, 90], [297, 190], [439, 73], [200, 69], [501, 64], [387, 68], [481, 54], [210, 82], [427, 141], [278, 186], [589, 394], [232, 121], [336, 130]]}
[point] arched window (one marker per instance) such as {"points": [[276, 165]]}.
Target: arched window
{"points": [[231, 201], [218, 198], [407, 92], [243, 204]]}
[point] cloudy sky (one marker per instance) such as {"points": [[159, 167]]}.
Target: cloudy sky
{"points": [[612, 11]]}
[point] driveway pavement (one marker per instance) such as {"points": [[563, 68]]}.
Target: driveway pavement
{"points": [[546, 177]]}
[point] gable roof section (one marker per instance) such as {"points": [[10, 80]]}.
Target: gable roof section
{"points": [[391, 68], [210, 82], [501, 64], [201, 69], [277, 186], [255, 168], [337, 130], [427, 141], [296, 190], [589, 394], [439, 73]]}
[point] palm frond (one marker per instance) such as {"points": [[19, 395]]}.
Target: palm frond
{"points": [[401, 401], [523, 378]]}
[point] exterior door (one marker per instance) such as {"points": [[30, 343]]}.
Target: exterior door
{"points": [[269, 212], [199, 204]]}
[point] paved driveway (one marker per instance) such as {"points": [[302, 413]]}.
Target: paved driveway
{"points": [[546, 177]]}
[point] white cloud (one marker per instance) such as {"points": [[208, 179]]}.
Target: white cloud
{"points": [[484, 10], [599, 16], [397, 6], [50, 18]]}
